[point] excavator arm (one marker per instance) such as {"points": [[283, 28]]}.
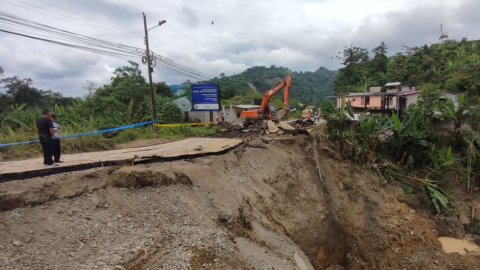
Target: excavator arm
{"points": [[264, 110]]}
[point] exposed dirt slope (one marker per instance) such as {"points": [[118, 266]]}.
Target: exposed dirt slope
{"points": [[261, 206]]}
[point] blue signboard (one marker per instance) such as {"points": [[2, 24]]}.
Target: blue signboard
{"points": [[206, 97]]}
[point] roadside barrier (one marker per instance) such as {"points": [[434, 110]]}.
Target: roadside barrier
{"points": [[186, 124], [85, 134]]}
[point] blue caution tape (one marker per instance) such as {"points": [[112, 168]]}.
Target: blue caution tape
{"points": [[86, 133]]}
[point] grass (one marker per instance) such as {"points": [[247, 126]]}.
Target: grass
{"points": [[347, 185], [295, 114], [91, 143], [185, 131]]}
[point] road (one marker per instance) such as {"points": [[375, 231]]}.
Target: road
{"points": [[172, 150]]}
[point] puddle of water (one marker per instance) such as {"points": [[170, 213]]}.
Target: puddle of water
{"points": [[450, 245]]}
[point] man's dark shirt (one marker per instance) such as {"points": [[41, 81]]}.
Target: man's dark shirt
{"points": [[44, 124]]}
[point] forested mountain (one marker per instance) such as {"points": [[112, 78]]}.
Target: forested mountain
{"points": [[450, 65], [306, 86]]}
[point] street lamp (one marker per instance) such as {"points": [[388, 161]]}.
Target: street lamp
{"points": [[150, 70], [159, 23]]}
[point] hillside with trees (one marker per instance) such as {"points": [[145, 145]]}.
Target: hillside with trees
{"points": [[307, 87], [449, 65], [124, 100]]}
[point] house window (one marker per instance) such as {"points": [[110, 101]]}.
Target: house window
{"points": [[238, 115], [367, 100], [362, 100]]}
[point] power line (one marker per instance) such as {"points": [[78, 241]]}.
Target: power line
{"points": [[99, 51], [99, 46], [175, 68], [12, 19], [102, 29], [70, 21]]}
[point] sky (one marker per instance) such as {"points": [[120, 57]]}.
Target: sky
{"points": [[302, 35]]}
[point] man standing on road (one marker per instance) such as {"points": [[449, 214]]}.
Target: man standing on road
{"points": [[227, 117], [45, 133], [57, 148], [223, 117]]}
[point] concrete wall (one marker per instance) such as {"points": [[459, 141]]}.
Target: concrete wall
{"points": [[392, 105], [375, 102], [375, 89], [411, 99], [355, 101], [392, 90], [453, 97], [205, 116]]}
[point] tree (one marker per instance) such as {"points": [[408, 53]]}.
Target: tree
{"points": [[162, 89], [380, 49], [431, 101], [90, 88], [126, 86], [380, 60], [353, 55], [460, 113], [20, 91]]}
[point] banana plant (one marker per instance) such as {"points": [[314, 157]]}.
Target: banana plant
{"points": [[459, 114], [370, 130], [410, 137], [436, 195]]}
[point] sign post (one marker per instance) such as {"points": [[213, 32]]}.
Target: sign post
{"points": [[206, 97]]}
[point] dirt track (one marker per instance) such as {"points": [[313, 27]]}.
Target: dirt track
{"points": [[251, 208]]}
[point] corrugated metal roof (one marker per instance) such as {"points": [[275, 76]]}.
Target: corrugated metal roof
{"points": [[410, 93], [393, 84]]}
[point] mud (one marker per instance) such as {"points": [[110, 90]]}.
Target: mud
{"points": [[280, 206], [450, 245]]}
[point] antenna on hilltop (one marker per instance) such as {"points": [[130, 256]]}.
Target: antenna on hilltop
{"points": [[443, 34]]}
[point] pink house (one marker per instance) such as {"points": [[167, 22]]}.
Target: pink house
{"points": [[363, 101]]}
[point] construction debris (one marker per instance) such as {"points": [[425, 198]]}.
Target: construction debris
{"points": [[302, 123], [285, 126], [224, 125], [237, 127], [272, 127], [198, 148], [255, 146]]}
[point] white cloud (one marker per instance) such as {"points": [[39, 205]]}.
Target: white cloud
{"points": [[301, 35]]}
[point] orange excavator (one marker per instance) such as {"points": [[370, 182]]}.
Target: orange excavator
{"points": [[267, 110]]}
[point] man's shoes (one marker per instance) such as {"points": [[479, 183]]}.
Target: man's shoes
{"points": [[51, 165]]}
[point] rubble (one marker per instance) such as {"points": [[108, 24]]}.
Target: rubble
{"points": [[237, 127], [302, 123], [224, 125], [285, 126], [272, 127]]}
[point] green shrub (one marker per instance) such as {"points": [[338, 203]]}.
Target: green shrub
{"points": [[347, 185]]}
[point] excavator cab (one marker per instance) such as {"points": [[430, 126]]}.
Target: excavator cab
{"points": [[273, 110]]}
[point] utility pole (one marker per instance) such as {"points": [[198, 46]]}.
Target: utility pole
{"points": [[365, 89], [150, 70]]}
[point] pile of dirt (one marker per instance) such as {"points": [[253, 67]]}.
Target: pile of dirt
{"points": [[224, 125], [275, 202]]}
